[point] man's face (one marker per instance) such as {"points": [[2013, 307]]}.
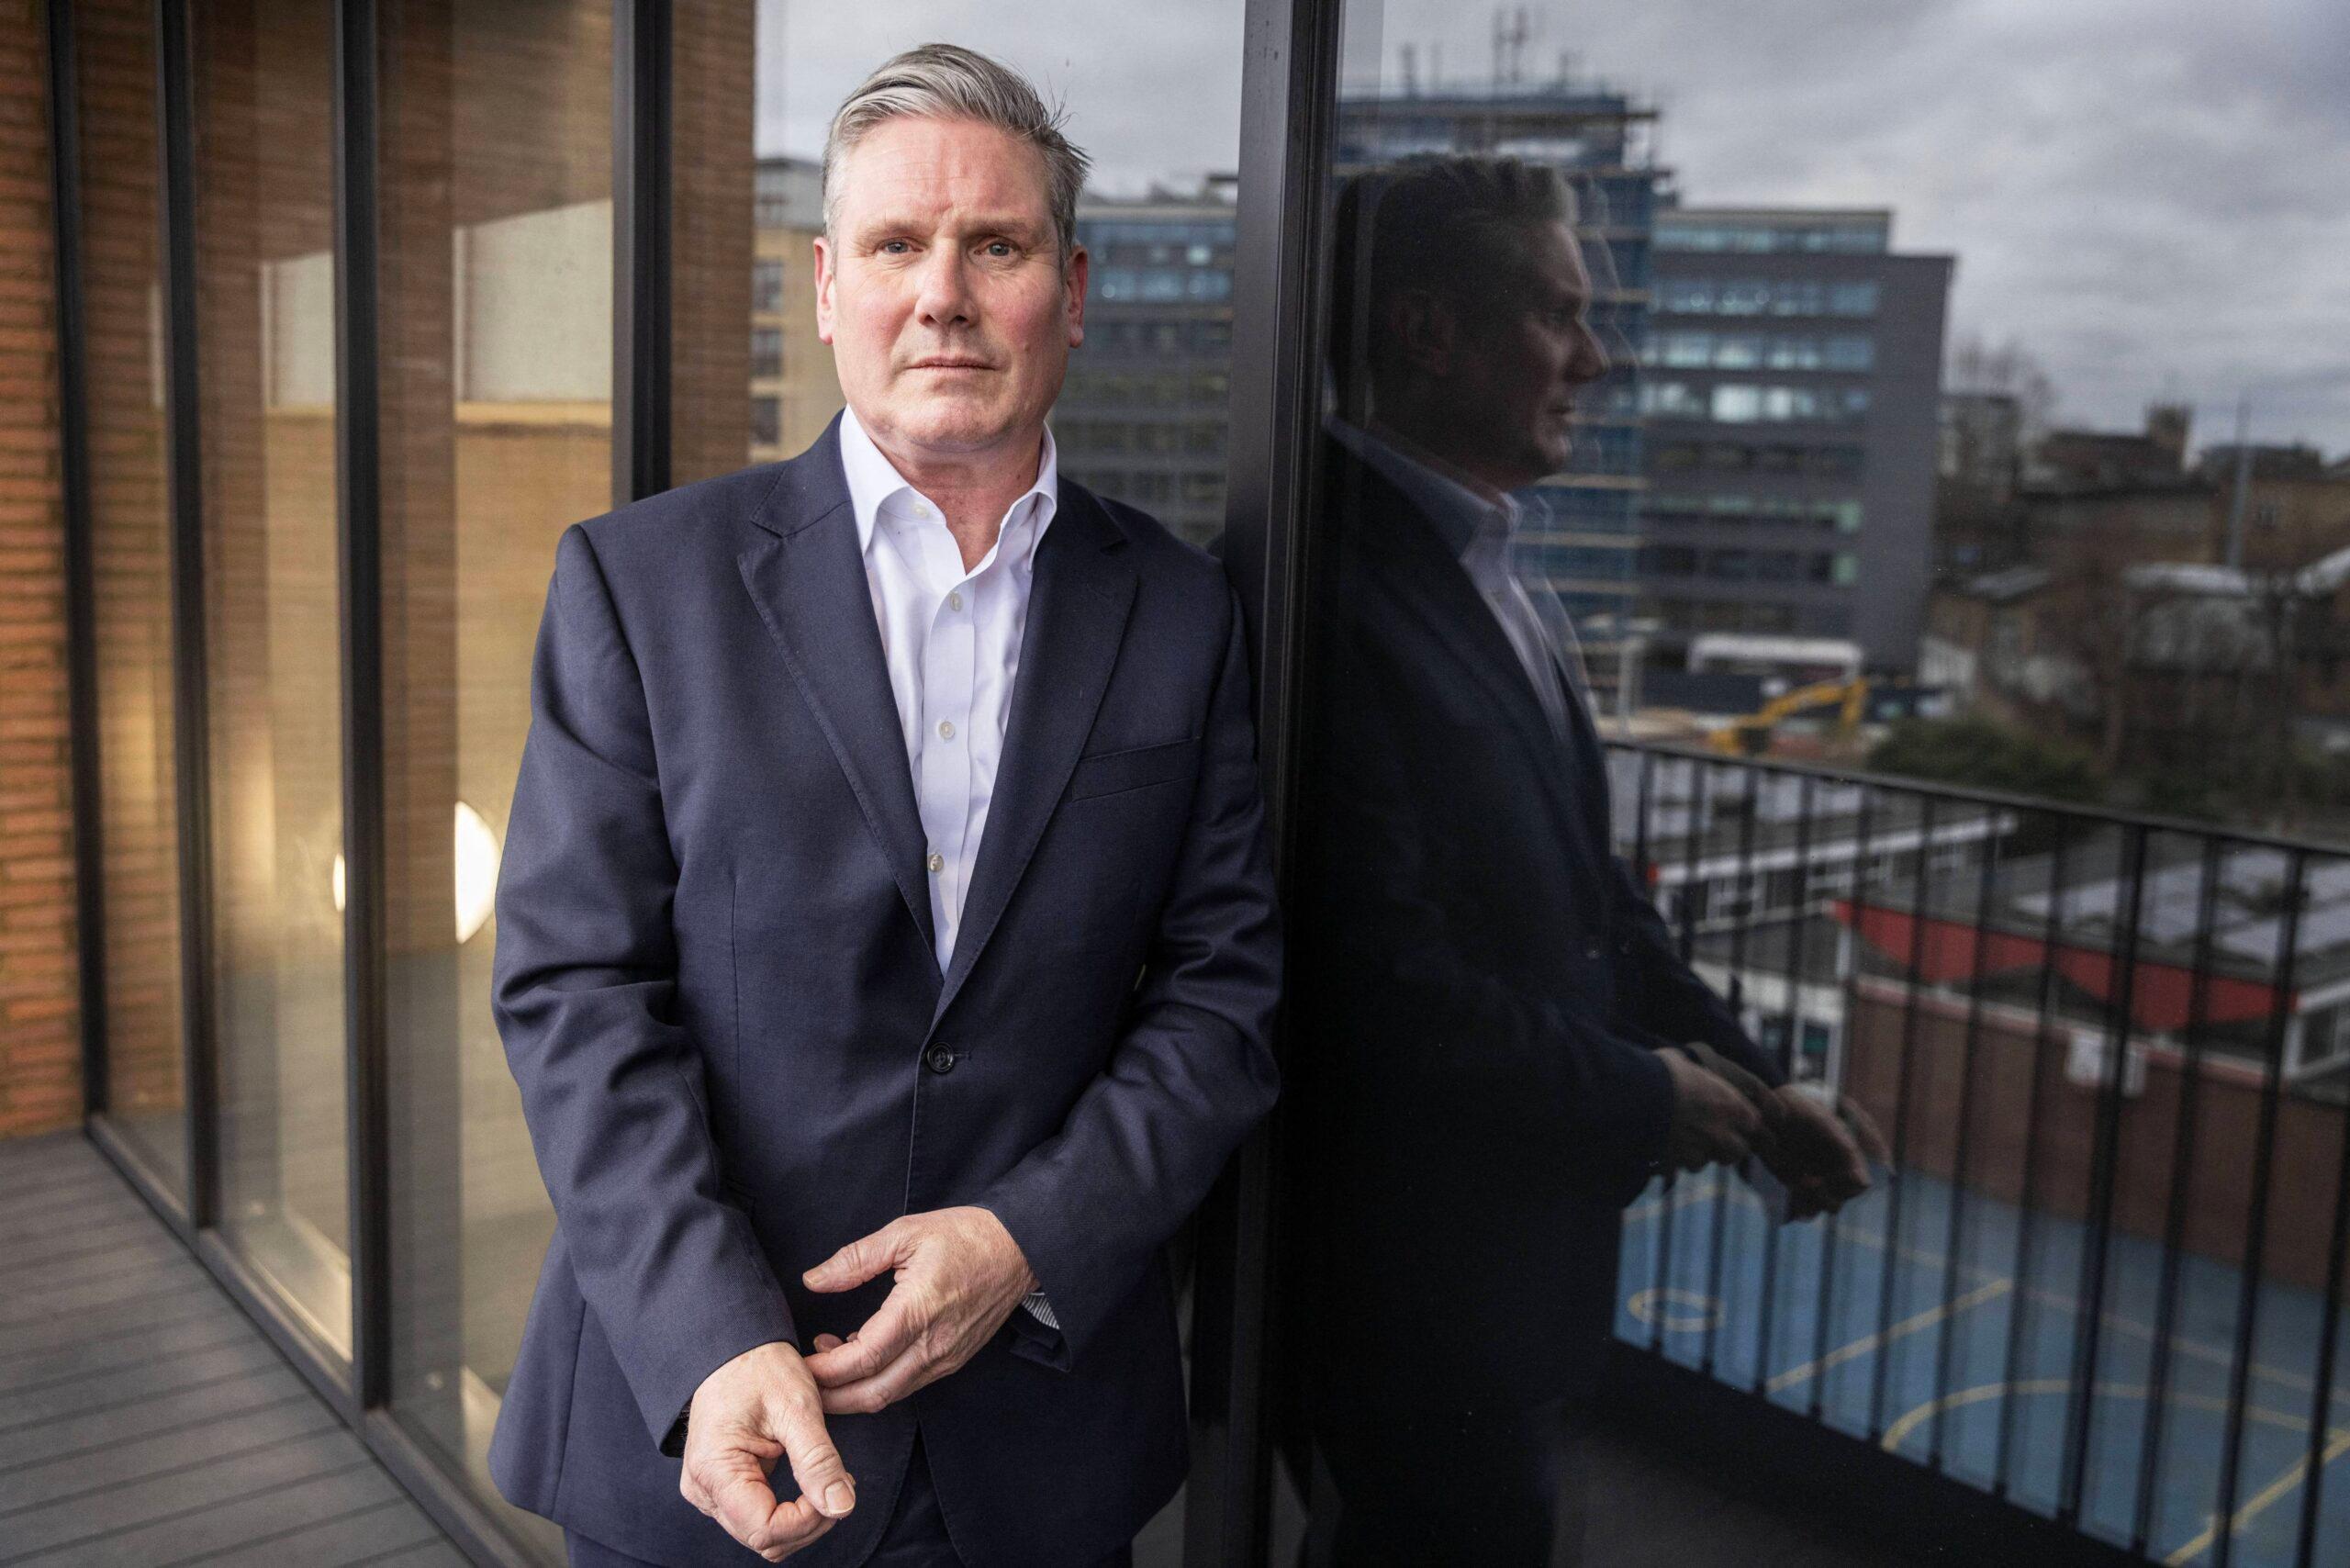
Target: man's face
{"points": [[1512, 357], [942, 291]]}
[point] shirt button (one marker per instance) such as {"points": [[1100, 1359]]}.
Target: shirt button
{"points": [[947, 729], [941, 1059], [954, 601], [938, 862], [920, 511]]}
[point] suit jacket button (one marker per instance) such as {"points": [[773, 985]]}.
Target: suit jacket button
{"points": [[941, 1059]]}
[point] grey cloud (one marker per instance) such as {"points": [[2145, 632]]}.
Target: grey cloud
{"points": [[2153, 194]]}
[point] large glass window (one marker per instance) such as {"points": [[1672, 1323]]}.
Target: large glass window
{"points": [[2077, 1289], [264, 281], [131, 529], [497, 303]]}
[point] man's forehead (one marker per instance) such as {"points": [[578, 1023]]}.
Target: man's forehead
{"points": [[915, 169]]}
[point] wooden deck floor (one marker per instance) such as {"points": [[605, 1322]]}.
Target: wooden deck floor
{"points": [[144, 1420]]}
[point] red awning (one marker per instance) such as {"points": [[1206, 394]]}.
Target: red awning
{"points": [[1952, 950]]}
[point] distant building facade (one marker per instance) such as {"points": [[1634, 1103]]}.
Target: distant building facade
{"points": [[1791, 394], [794, 391], [1143, 414]]}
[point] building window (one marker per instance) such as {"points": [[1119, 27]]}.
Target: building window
{"points": [[767, 286], [767, 351], [766, 421], [1853, 299]]}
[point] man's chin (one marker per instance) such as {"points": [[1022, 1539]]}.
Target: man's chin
{"points": [[953, 429]]}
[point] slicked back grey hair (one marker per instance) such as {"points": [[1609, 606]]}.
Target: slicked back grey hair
{"points": [[944, 80]]}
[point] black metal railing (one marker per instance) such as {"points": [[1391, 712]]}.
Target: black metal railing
{"points": [[2102, 1279]]}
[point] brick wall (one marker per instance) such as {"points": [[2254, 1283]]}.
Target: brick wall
{"points": [[2008, 1077], [40, 1024]]}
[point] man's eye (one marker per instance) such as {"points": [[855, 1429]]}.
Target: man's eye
{"points": [[886, 245]]}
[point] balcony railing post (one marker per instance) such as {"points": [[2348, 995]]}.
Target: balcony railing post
{"points": [[1824, 1318], [1882, 1362], [2096, 1256], [1954, 1234], [2182, 1175], [2322, 1396], [1692, 860], [1790, 1053], [2255, 1239], [1751, 807], [2020, 1306]]}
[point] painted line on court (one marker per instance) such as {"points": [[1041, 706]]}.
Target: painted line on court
{"points": [[2250, 1509], [1907, 1325]]}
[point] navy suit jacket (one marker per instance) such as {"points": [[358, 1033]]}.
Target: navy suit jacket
{"points": [[1478, 988], [716, 983]]}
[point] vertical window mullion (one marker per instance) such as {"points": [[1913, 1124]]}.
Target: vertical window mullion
{"points": [[641, 231], [360, 554]]}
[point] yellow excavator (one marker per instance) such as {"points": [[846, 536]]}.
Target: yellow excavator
{"points": [[1751, 735]]}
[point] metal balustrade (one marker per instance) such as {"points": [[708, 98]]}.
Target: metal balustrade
{"points": [[2102, 1279]]}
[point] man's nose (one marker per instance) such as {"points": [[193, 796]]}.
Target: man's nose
{"points": [[945, 291], [1591, 358]]}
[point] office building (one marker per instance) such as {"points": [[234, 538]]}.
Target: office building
{"points": [[1791, 385]]}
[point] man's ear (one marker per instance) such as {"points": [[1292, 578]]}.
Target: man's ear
{"points": [[823, 291], [1073, 287], [1426, 329]]}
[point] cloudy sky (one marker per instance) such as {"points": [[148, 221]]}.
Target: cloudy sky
{"points": [[2153, 196]]}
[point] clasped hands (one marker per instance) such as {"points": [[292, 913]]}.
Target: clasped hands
{"points": [[960, 1275], [1818, 1147]]}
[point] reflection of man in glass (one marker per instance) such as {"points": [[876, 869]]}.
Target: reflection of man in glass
{"points": [[1496, 1042]]}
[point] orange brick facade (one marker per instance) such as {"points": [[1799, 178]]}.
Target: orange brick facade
{"points": [[41, 1084]]}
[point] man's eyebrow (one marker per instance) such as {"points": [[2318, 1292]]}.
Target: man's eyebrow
{"points": [[986, 223]]}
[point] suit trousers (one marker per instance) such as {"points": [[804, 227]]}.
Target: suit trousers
{"points": [[916, 1536]]}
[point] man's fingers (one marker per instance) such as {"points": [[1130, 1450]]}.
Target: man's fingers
{"points": [[1865, 1131], [745, 1506], [886, 1387], [829, 1341], [859, 1261], [888, 1332], [816, 1464]]}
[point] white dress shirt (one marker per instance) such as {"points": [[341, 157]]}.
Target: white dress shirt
{"points": [[1484, 535], [951, 638]]}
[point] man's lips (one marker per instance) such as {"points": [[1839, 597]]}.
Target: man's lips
{"points": [[950, 365]]}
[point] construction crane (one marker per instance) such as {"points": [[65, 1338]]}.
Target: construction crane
{"points": [[1751, 735]]}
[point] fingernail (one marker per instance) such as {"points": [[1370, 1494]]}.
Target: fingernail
{"points": [[839, 1498]]}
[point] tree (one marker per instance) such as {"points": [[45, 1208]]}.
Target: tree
{"points": [[1977, 753]]}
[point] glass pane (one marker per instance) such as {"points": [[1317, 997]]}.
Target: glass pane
{"points": [[496, 435], [1926, 477], [129, 524], [266, 331]]}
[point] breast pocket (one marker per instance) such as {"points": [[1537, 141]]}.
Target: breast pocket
{"points": [[1134, 767]]}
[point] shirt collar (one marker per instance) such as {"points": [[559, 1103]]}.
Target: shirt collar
{"points": [[874, 481], [1459, 513]]}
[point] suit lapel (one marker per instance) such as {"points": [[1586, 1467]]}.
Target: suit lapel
{"points": [[810, 585], [1077, 604], [1431, 585]]}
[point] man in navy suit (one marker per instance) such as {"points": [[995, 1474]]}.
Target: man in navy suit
{"points": [[1497, 1042], [886, 944]]}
